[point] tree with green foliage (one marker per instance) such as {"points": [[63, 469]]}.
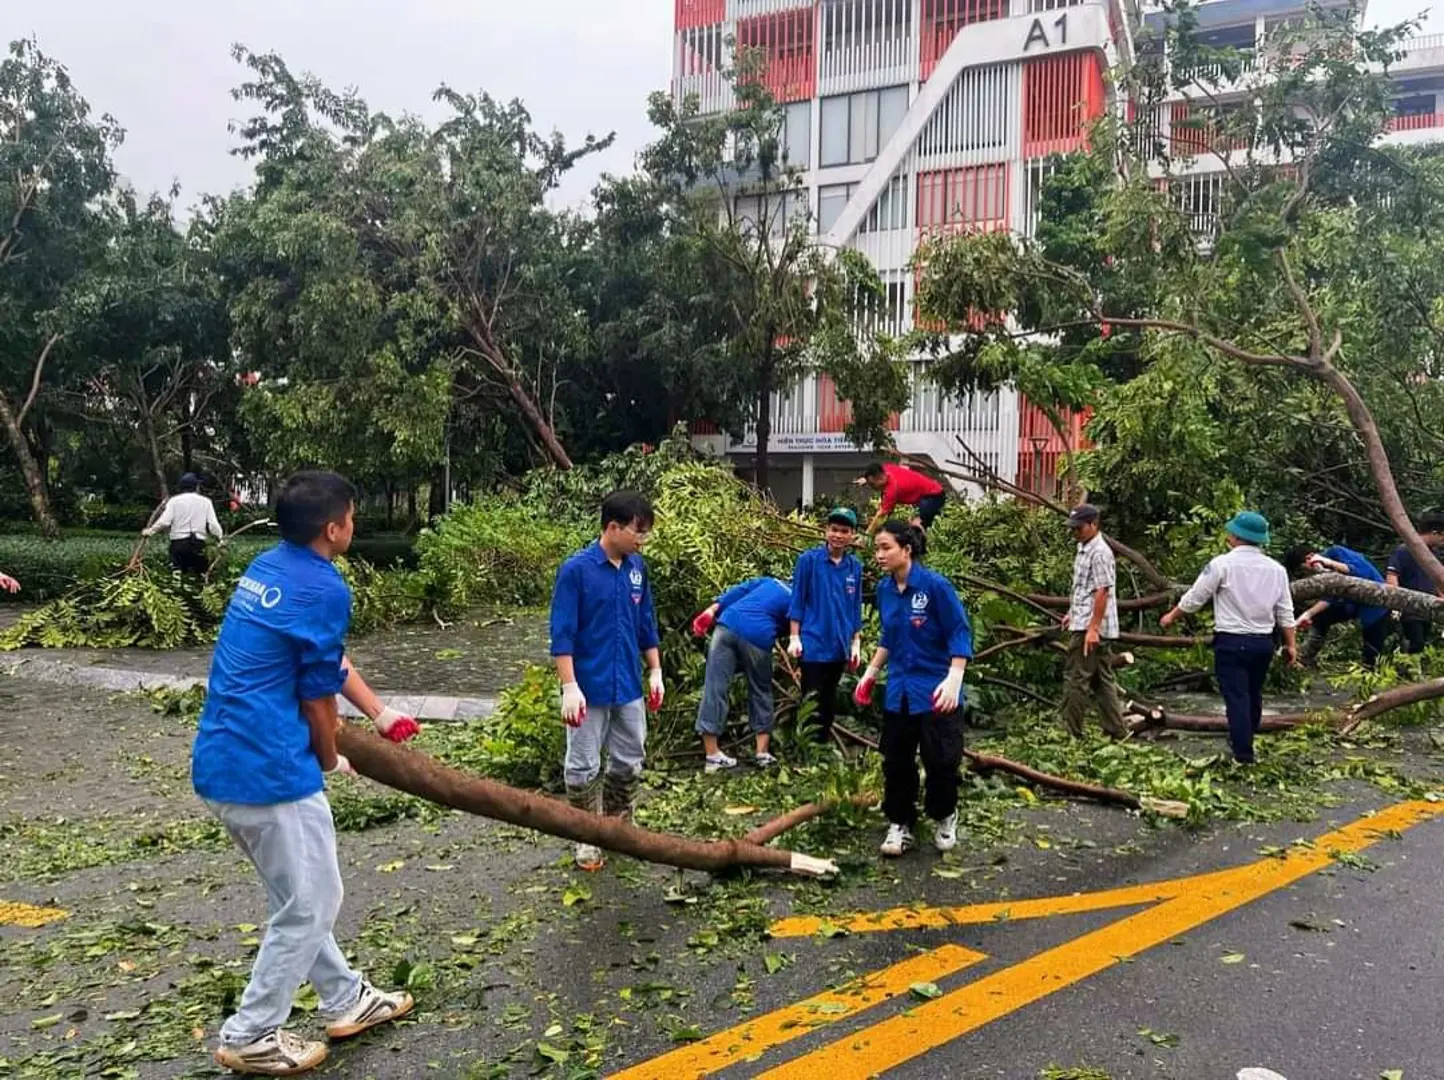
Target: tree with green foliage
{"points": [[771, 303]]}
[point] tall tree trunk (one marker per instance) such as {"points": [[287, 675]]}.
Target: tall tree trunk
{"points": [[152, 444], [764, 418], [30, 469], [538, 423]]}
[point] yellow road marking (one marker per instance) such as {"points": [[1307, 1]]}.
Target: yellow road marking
{"points": [[748, 1040], [13, 913], [1196, 901]]}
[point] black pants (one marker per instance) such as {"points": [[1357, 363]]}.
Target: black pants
{"points": [[821, 680], [1416, 634], [1241, 663], [1375, 637], [940, 739], [188, 555], [929, 507]]}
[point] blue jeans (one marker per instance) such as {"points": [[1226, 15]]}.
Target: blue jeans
{"points": [[725, 655], [1241, 663], [293, 848]]}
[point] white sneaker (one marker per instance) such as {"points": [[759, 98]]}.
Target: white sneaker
{"points": [[278, 1054], [372, 1007], [765, 760], [945, 833], [719, 761], [590, 857], [899, 839]]}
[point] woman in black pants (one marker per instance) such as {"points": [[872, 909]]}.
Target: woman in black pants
{"points": [[926, 644]]}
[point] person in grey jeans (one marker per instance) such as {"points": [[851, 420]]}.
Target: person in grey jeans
{"points": [[265, 743], [749, 617]]}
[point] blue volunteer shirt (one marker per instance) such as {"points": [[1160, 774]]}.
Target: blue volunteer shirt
{"points": [[923, 627], [280, 644], [826, 604], [1359, 567], [1411, 574], [602, 618], [756, 611]]}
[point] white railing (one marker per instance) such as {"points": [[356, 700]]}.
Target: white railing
{"points": [[747, 9], [1424, 41], [866, 44], [714, 92]]}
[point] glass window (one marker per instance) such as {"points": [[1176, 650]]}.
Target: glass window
{"points": [[892, 107], [831, 200], [834, 131], [798, 139]]}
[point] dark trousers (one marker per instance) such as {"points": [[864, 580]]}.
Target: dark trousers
{"points": [[929, 507], [1241, 663], [1375, 637], [820, 680], [1416, 634], [188, 555], [940, 739]]}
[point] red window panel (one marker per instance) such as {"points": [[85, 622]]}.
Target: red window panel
{"points": [[700, 12], [969, 199], [787, 40], [1415, 121], [1041, 449], [705, 427], [1062, 96], [942, 19], [834, 414], [1196, 132]]}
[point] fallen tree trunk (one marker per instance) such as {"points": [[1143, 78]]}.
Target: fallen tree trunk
{"points": [[984, 763], [422, 776], [1417, 605], [793, 818]]}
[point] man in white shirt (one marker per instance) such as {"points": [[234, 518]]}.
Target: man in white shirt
{"points": [[1251, 597], [189, 516]]}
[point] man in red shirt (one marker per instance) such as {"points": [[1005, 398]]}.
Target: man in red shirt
{"points": [[906, 486]]}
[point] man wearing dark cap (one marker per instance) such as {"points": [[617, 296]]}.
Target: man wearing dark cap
{"points": [[826, 614], [1092, 625], [1251, 599], [189, 516]]}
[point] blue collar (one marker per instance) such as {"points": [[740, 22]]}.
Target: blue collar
{"points": [[306, 552]]}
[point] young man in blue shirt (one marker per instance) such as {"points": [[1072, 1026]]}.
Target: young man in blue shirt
{"points": [[602, 626], [1405, 572], [826, 614], [1319, 619], [749, 618], [267, 736]]}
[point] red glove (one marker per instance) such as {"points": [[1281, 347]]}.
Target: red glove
{"points": [[654, 690], [862, 695], [702, 623], [396, 726]]}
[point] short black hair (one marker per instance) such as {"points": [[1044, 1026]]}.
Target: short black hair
{"points": [[1433, 521], [189, 482], [1295, 558], [907, 536], [627, 508], [311, 500], [875, 470]]}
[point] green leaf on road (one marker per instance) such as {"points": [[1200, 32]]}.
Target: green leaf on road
{"points": [[576, 894], [926, 990], [1233, 958]]}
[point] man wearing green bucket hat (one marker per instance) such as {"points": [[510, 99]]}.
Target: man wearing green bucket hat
{"points": [[1251, 598]]}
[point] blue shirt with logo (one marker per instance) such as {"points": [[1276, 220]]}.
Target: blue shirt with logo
{"points": [[602, 618], [1359, 567], [826, 604], [280, 644], [756, 611], [923, 627]]}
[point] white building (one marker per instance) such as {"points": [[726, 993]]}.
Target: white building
{"points": [[912, 118]]}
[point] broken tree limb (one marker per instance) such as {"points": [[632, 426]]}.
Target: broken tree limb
{"points": [[422, 776], [1078, 789], [1133, 603], [1396, 698], [777, 826], [1417, 605]]}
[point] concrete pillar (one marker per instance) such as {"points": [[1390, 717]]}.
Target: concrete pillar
{"points": [[808, 480]]}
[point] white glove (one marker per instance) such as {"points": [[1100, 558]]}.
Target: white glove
{"points": [[655, 691], [854, 660], [945, 697], [574, 705], [342, 766], [794, 647]]}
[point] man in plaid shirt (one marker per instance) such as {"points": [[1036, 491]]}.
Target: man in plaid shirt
{"points": [[1092, 624]]}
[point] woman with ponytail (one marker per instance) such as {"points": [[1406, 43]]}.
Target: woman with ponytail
{"points": [[926, 644]]}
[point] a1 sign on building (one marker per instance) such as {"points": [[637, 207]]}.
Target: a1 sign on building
{"points": [[1047, 34]]}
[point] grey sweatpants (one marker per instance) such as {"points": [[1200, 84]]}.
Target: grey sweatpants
{"points": [[293, 847], [619, 729]]}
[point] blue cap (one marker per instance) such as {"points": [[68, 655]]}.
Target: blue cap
{"points": [[1250, 527], [842, 515]]}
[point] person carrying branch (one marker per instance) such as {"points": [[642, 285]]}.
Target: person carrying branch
{"points": [[188, 517], [1328, 613], [1251, 598], [602, 626], [826, 615], [265, 743], [899, 484], [926, 645], [1092, 625], [748, 618], [1404, 571]]}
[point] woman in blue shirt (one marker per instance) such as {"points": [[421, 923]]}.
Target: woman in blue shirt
{"points": [[926, 644]]}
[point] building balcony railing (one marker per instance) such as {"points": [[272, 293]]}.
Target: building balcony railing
{"points": [[1416, 121]]}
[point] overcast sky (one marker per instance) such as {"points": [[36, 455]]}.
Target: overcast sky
{"points": [[163, 69]]}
